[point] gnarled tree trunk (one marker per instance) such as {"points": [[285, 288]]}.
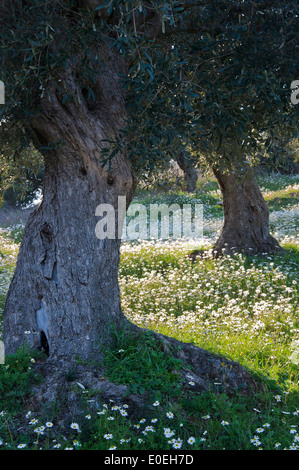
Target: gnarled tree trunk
{"points": [[246, 217], [64, 294]]}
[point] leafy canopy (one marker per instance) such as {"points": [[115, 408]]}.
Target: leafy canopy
{"points": [[212, 75]]}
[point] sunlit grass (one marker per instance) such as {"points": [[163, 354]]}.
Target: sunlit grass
{"points": [[8, 256], [214, 303]]}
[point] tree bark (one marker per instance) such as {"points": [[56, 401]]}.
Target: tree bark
{"points": [[64, 295], [246, 217], [190, 172]]}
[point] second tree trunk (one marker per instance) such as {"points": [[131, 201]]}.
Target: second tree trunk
{"points": [[246, 217]]}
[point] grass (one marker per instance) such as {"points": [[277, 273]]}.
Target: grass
{"points": [[16, 379], [245, 309], [143, 366]]}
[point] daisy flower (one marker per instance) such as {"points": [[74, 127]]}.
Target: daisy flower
{"points": [[191, 440], [33, 421], [75, 426], [177, 445]]}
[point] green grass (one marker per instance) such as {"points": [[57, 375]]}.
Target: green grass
{"points": [[207, 194], [227, 306], [243, 308], [8, 256], [277, 182], [282, 198], [143, 366]]}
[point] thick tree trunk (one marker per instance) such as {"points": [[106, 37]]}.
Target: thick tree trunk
{"points": [[246, 217], [64, 295], [190, 172]]}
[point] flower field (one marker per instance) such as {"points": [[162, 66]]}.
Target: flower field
{"points": [[244, 309]]}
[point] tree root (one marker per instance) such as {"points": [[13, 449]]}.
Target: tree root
{"points": [[200, 371]]}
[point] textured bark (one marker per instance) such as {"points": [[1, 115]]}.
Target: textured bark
{"points": [[246, 217], [65, 287], [190, 172]]}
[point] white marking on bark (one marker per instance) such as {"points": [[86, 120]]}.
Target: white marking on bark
{"points": [[42, 318]]}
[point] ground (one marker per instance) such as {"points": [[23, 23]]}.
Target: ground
{"points": [[243, 309]]}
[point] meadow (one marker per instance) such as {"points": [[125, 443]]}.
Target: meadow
{"points": [[245, 309]]}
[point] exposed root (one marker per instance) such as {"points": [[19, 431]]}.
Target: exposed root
{"points": [[200, 371], [208, 369]]}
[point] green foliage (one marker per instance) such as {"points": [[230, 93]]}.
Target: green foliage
{"points": [[209, 75], [143, 365], [216, 86], [17, 378], [21, 170], [282, 156]]}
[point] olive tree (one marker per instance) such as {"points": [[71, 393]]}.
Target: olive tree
{"points": [[102, 89]]}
